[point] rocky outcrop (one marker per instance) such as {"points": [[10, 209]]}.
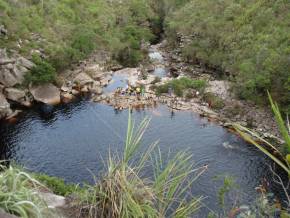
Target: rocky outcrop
{"points": [[17, 95], [13, 69], [83, 79], [4, 107], [87, 84], [47, 94], [53, 201]]}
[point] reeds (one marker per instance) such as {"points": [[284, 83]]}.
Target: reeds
{"points": [[19, 195], [124, 192], [281, 156]]}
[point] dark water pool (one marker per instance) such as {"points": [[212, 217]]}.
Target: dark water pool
{"points": [[72, 142]]}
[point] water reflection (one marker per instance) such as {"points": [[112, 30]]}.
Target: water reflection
{"points": [[73, 140]]}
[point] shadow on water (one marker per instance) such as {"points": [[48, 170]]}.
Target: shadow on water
{"points": [[73, 140]]}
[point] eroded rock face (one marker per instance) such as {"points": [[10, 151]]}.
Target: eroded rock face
{"points": [[24, 63], [7, 78], [17, 95], [13, 70], [47, 94], [4, 107]]}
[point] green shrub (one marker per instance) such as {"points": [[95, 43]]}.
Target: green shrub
{"points": [[156, 80], [180, 85], [84, 41], [213, 100], [57, 185], [42, 72]]}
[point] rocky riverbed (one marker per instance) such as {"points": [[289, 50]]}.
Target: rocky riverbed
{"points": [[232, 111], [94, 75]]}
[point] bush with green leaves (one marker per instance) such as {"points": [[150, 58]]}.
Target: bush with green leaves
{"points": [[213, 100], [56, 185], [42, 72], [180, 85]]}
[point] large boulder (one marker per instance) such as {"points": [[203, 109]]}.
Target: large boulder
{"points": [[53, 201], [18, 96], [13, 70], [7, 78], [94, 71], [47, 94], [24, 63], [83, 79], [4, 107], [12, 74]]}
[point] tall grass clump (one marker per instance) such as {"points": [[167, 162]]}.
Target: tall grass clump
{"points": [[19, 195], [280, 155], [123, 191]]}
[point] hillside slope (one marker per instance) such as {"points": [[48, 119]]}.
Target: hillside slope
{"points": [[68, 31], [250, 40]]}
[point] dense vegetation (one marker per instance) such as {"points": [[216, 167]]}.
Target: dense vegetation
{"points": [[70, 30], [42, 72], [250, 40]]}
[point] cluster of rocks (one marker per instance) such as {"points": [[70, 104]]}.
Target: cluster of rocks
{"points": [[85, 79], [12, 72], [121, 102], [88, 79]]}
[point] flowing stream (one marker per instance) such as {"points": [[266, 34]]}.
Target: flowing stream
{"points": [[72, 142]]}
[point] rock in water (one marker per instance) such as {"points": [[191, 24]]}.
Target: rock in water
{"points": [[47, 94]]}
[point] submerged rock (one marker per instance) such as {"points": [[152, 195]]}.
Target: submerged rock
{"points": [[47, 94]]}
